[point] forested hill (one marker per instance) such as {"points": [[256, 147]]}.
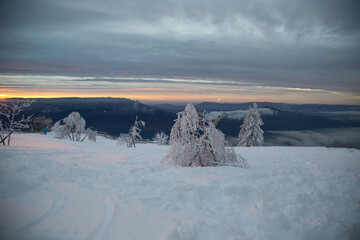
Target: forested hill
{"points": [[111, 115]]}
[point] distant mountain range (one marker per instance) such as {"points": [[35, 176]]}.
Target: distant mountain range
{"points": [[211, 106], [116, 115]]}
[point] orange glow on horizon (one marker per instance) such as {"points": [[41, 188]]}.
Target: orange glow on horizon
{"points": [[179, 97], [185, 95]]}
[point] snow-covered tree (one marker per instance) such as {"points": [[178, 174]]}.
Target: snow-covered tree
{"points": [[10, 110], [38, 123], [73, 127], [59, 130], [161, 138], [194, 141], [251, 133], [124, 139], [135, 131]]}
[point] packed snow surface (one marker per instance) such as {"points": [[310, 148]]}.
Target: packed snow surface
{"points": [[57, 189]]}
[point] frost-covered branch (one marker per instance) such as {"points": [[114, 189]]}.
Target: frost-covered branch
{"points": [[161, 138], [10, 110], [135, 131]]}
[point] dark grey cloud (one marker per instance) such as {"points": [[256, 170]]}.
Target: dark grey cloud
{"points": [[306, 44]]}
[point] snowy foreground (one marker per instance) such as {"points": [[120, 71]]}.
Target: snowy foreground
{"points": [[57, 189]]}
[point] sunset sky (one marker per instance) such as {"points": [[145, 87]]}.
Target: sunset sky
{"points": [[300, 51]]}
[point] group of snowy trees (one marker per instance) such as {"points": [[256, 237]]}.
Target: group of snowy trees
{"points": [[194, 139]]}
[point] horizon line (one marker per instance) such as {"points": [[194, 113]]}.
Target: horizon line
{"points": [[167, 101]]}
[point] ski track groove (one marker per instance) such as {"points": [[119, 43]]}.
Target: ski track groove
{"points": [[109, 214], [56, 206]]}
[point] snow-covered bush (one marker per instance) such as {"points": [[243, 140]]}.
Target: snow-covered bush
{"points": [[73, 127], [91, 135], [251, 133], [194, 141], [161, 138], [38, 123], [9, 111], [135, 131], [124, 140], [59, 130]]}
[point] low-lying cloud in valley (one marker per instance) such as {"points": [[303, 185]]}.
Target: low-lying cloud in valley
{"points": [[339, 137]]}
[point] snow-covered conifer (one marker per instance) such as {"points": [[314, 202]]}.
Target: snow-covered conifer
{"points": [[10, 110], [135, 131], [161, 138], [194, 141], [251, 133]]}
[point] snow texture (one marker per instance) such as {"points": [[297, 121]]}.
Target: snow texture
{"points": [[58, 189], [251, 133]]}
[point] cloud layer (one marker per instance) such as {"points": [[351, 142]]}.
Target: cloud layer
{"points": [[277, 43]]}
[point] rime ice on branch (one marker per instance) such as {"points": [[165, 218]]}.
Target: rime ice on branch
{"points": [[251, 133], [10, 110], [194, 141], [135, 131], [160, 138]]}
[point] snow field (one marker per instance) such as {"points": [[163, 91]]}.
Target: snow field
{"points": [[57, 189]]}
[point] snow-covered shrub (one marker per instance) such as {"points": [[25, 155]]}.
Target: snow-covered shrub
{"points": [[251, 133], [73, 127], [38, 123], [194, 141], [91, 135], [161, 138], [59, 130], [135, 131], [9, 111], [124, 140]]}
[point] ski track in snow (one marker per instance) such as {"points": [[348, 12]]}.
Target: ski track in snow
{"points": [[57, 189]]}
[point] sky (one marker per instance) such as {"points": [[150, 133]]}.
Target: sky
{"points": [[298, 51]]}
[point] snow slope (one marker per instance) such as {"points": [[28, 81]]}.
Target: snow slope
{"points": [[57, 189]]}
